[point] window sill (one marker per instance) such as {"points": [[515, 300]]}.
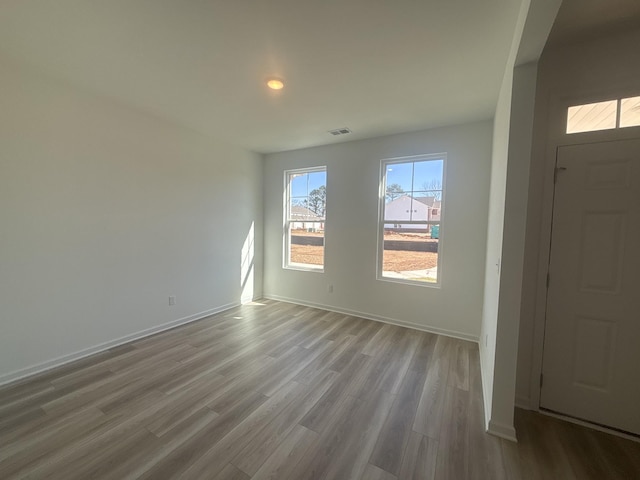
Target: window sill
{"points": [[301, 267], [417, 283]]}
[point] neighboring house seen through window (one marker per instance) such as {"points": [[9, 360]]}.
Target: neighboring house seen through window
{"points": [[305, 218], [411, 203]]}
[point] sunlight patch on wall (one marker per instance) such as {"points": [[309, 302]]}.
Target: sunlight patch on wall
{"points": [[246, 267]]}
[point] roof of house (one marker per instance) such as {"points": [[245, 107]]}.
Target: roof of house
{"points": [[428, 201], [300, 213]]}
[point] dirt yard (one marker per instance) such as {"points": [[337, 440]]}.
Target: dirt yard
{"points": [[394, 260], [307, 254]]}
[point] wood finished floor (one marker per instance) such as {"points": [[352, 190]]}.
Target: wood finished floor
{"points": [[278, 391]]}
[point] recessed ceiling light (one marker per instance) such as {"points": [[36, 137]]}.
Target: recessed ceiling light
{"points": [[275, 84]]}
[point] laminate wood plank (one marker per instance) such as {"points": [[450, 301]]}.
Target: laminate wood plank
{"points": [[485, 451], [177, 437], [175, 462], [310, 330], [607, 455], [231, 472], [377, 342], [396, 431], [18, 391], [510, 459], [100, 460], [547, 448], [319, 417], [356, 326], [349, 445], [131, 400], [184, 404], [188, 374], [419, 461], [276, 379], [383, 372], [106, 435], [459, 375], [321, 362], [36, 445], [30, 403], [329, 444], [422, 358], [265, 442], [355, 349], [528, 454], [286, 456], [88, 395], [242, 365], [221, 453], [631, 450], [372, 472], [335, 330], [9, 422], [432, 406], [400, 362], [453, 444], [21, 434], [256, 378], [237, 394]]}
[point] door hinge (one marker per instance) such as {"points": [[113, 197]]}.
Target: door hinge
{"points": [[541, 378], [555, 173]]}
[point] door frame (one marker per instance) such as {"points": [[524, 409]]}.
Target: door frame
{"points": [[547, 141]]}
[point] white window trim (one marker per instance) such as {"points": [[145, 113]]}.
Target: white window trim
{"points": [[381, 220], [287, 264]]}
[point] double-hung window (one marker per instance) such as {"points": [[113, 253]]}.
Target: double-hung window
{"points": [[304, 218], [410, 219]]}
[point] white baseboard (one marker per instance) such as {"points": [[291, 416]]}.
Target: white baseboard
{"points": [[524, 403], [59, 361], [593, 426], [507, 432], [376, 318]]}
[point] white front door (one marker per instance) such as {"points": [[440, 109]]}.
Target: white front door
{"points": [[591, 361]]}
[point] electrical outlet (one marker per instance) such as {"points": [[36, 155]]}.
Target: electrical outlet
{"points": [[172, 300]]}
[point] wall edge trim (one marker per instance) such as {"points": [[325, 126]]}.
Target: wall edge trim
{"points": [[508, 432], [376, 318], [30, 371], [524, 403]]}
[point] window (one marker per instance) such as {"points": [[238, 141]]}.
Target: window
{"points": [[592, 117], [411, 205], [630, 112], [306, 194], [608, 115]]}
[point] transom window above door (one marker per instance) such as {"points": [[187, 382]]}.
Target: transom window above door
{"points": [[609, 115]]}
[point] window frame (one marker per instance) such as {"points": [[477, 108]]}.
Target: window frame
{"points": [[618, 116], [286, 243], [381, 220]]}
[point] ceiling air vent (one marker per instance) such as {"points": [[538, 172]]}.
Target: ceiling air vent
{"points": [[340, 131]]}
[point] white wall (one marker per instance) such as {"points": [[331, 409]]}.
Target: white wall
{"points": [[105, 211], [511, 158], [603, 68], [353, 175], [513, 213], [489, 323]]}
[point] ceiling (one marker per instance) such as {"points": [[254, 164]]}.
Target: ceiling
{"points": [[580, 20], [376, 66]]}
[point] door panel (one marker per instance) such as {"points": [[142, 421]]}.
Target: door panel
{"points": [[591, 362]]}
